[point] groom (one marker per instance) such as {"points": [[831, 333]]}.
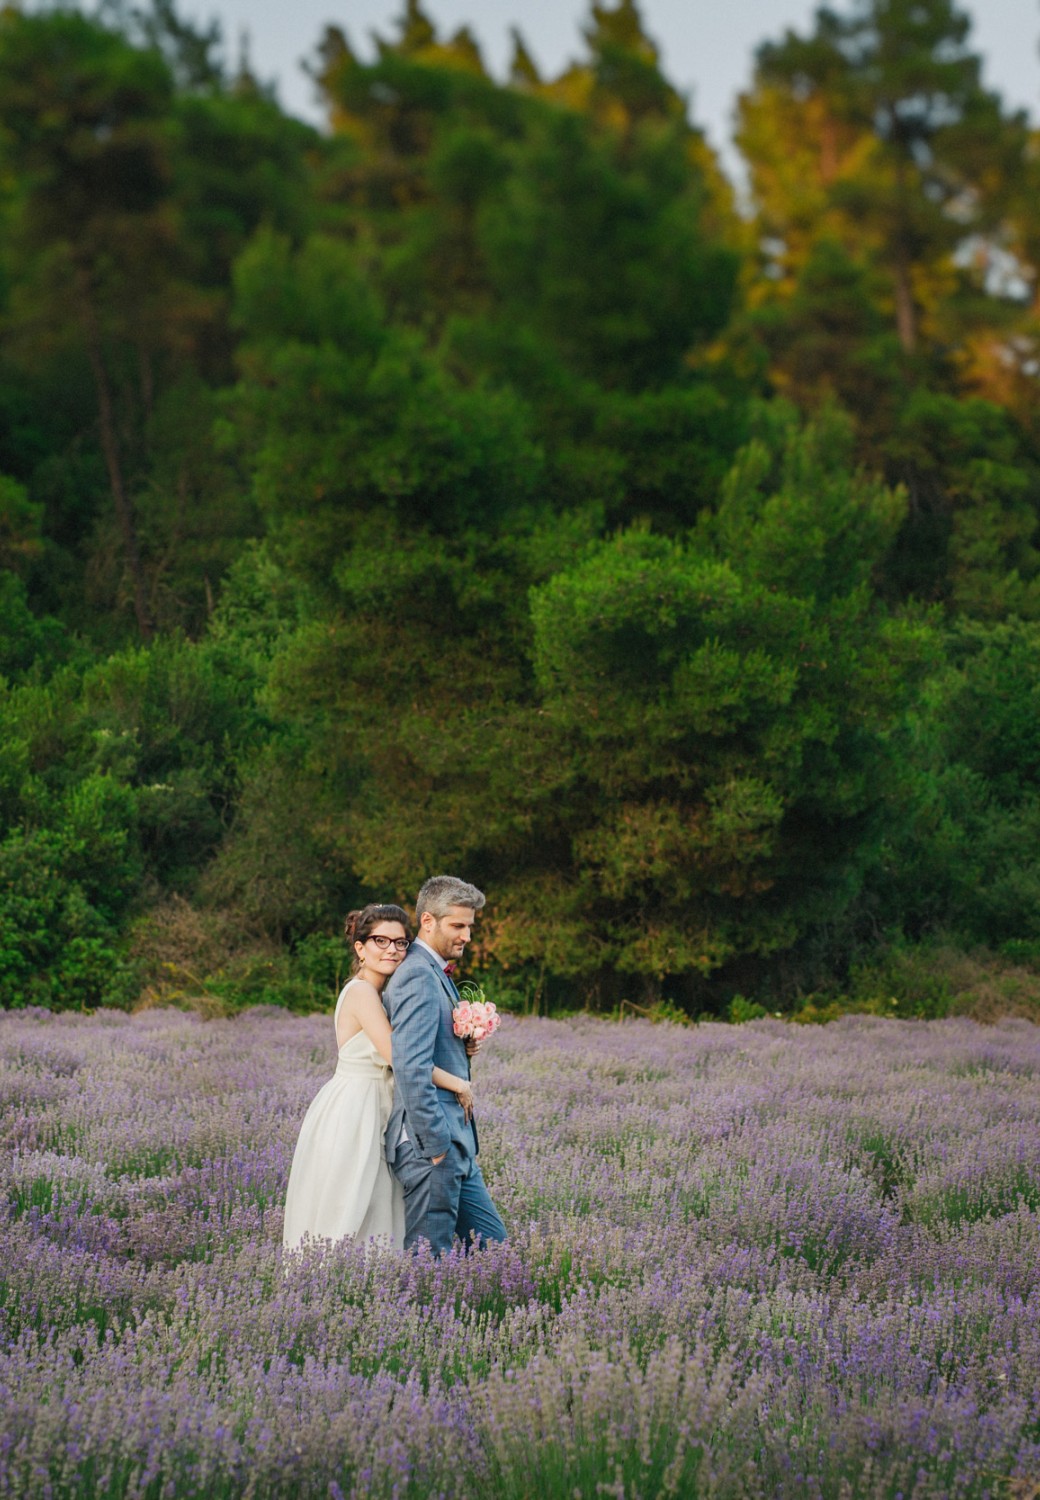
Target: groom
{"points": [[430, 1146]]}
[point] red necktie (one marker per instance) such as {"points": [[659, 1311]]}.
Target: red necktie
{"points": [[449, 969]]}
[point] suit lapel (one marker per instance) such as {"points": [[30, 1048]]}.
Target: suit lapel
{"points": [[451, 994]]}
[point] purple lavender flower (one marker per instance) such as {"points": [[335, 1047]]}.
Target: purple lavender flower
{"points": [[743, 1262]]}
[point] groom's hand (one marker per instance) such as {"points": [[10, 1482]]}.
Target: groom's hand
{"points": [[435, 1161]]}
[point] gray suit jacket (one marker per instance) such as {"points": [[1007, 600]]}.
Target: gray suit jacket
{"points": [[419, 999]]}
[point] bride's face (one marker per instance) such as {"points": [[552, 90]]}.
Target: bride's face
{"points": [[383, 949]]}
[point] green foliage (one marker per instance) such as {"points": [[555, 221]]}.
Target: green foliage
{"points": [[742, 1010], [938, 977], [963, 856], [829, 338], [877, 131], [19, 525], [802, 518], [63, 892], [303, 982], [707, 774], [466, 487], [26, 641], [130, 201], [348, 419], [605, 263], [241, 164], [113, 778], [976, 486]]}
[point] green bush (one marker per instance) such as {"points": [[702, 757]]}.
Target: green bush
{"points": [[939, 978], [741, 1010], [63, 893]]}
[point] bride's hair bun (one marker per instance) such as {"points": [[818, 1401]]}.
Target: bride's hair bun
{"points": [[350, 925]]}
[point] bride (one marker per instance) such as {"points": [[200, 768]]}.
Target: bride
{"points": [[339, 1183]]}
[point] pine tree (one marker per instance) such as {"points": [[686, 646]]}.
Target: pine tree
{"points": [[523, 71], [87, 124], [877, 130]]}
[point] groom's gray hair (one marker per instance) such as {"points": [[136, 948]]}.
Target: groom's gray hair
{"points": [[441, 892]]}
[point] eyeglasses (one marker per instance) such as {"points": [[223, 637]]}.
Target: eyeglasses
{"points": [[401, 944]]}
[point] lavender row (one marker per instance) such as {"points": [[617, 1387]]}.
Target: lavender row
{"points": [[754, 1261]]}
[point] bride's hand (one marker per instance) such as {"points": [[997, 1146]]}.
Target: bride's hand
{"points": [[472, 1046], [465, 1098]]}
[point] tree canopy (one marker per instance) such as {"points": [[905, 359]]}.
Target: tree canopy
{"points": [[473, 485]]}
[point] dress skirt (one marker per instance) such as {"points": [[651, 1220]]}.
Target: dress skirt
{"points": [[339, 1183]]}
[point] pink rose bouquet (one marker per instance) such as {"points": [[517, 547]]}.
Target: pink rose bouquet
{"points": [[474, 1017]]}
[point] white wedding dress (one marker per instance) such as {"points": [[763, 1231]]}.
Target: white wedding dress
{"points": [[339, 1183]]}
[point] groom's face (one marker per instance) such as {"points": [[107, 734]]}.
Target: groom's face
{"points": [[448, 935]]}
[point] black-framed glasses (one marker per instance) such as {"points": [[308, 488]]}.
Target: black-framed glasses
{"points": [[401, 944]]}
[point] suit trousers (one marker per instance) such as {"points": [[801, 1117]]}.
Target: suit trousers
{"points": [[445, 1200]]}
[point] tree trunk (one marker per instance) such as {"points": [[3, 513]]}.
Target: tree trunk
{"points": [[144, 364], [828, 151], [906, 314], [110, 449]]}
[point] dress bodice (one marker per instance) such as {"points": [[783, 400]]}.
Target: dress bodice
{"points": [[359, 1054]]}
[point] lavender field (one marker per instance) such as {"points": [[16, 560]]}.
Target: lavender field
{"points": [[745, 1261]]}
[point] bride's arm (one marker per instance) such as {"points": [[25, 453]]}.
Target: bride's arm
{"points": [[367, 1009]]}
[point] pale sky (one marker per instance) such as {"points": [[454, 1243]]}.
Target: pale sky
{"points": [[706, 46]]}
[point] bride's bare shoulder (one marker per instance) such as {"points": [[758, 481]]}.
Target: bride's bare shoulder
{"points": [[359, 1008], [360, 993]]}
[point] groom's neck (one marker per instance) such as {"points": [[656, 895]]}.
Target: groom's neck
{"points": [[422, 943]]}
